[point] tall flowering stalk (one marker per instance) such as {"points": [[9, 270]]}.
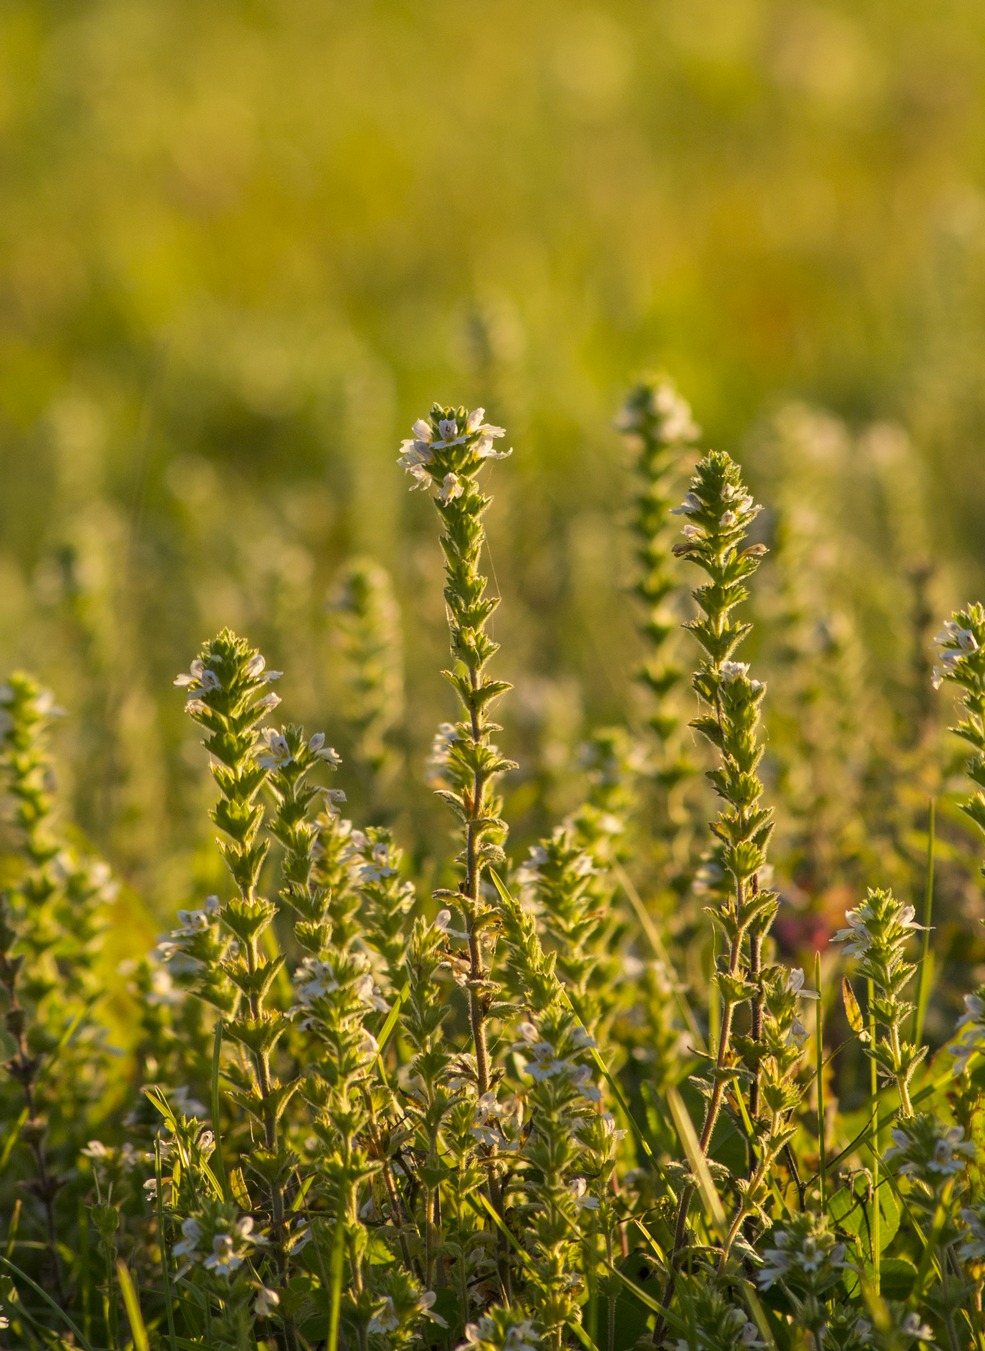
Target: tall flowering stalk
{"points": [[961, 661], [227, 696], [50, 933], [444, 456], [718, 512], [366, 622], [877, 934], [659, 430]]}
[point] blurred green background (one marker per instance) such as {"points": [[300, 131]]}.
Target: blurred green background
{"points": [[244, 244]]}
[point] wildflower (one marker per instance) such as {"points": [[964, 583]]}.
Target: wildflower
{"points": [[913, 1326], [972, 1247], [488, 1332], [200, 676], [691, 506], [864, 933], [927, 1152], [732, 670], [317, 747], [579, 1190], [971, 1028], [230, 1250], [196, 921], [953, 642], [656, 410], [444, 738], [386, 1318], [426, 1303], [804, 1255], [191, 1234], [451, 487], [257, 667], [489, 1114], [379, 868], [442, 922], [278, 750], [795, 984], [223, 1259], [266, 1302]]}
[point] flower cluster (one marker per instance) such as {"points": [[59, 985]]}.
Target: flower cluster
{"points": [[877, 934], [961, 662], [806, 1257], [971, 1031], [448, 445], [928, 1153], [222, 1250], [501, 1329]]}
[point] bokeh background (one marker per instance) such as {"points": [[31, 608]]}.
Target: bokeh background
{"points": [[244, 244]]}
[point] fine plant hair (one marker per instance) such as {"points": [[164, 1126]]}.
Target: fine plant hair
{"points": [[563, 1089]]}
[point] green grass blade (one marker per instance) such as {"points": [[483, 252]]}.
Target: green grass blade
{"points": [[822, 1167], [220, 1163], [925, 978], [335, 1288], [688, 1137], [132, 1306], [165, 1259], [51, 1303]]}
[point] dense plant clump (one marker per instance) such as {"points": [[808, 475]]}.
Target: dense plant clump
{"points": [[576, 1094]]}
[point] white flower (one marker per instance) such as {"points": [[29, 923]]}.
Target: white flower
{"points": [[579, 1190], [223, 1259], [425, 1305], [448, 432], [581, 1078], [196, 921], [278, 750], [229, 1251], [489, 1112], [689, 507], [314, 979], [333, 797], [451, 487], [974, 1010], [692, 532], [317, 747], [520, 1337], [913, 1327], [256, 667], [191, 1232], [950, 656], [442, 922], [200, 676], [379, 868], [795, 984], [732, 670], [952, 632], [265, 1302], [386, 1318], [972, 1249], [270, 700], [367, 992]]}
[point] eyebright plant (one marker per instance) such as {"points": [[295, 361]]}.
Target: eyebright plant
{"points": [[576, 1092]]}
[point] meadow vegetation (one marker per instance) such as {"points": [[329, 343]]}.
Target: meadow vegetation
{"points": [[620, 986], [581, 1095]]}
